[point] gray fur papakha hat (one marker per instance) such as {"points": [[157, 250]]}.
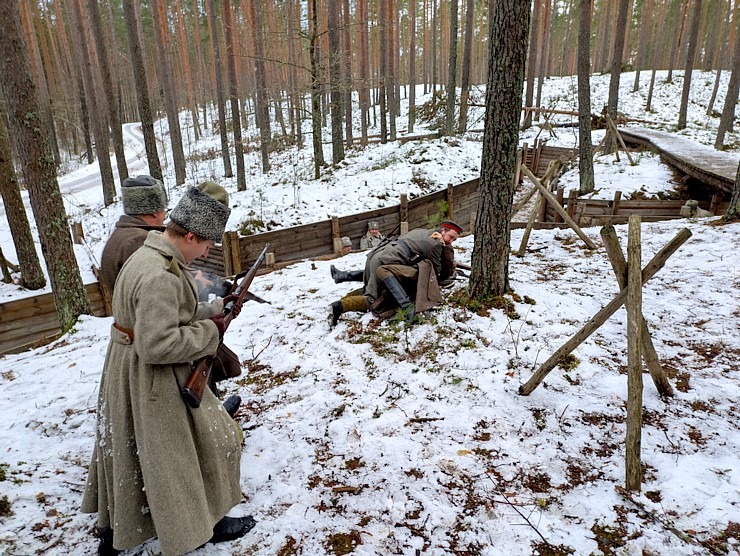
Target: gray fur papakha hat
{"points": [[203, 210], [143, 195]]}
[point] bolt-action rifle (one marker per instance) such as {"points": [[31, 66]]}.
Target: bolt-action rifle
{"points": [[197, 382]]}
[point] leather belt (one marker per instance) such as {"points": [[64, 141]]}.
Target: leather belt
{"points": [[413, 257], [128, 331], [405, 247]]}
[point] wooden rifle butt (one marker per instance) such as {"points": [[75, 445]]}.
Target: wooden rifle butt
{"points": [[197, 382]]}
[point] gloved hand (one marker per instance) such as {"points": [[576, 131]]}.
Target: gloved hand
{"points": [[218, 320], [237, 308]]}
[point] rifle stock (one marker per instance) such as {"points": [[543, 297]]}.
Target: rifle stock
{"points": [[195, 385]]}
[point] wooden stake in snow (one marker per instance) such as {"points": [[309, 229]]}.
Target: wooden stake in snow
{"points": [[655, 264], [633, 473]]}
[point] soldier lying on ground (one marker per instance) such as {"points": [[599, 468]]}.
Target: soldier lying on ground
{"points": [[395, 267]]}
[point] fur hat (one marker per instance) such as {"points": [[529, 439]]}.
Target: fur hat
{"points": [[372, 225], [450, 225], [143, 195], [203, 210], [346, 242]]}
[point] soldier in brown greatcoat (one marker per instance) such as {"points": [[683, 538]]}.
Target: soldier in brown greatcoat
{"points": [[144, 209]]}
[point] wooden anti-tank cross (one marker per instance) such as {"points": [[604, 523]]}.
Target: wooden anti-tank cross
{"points": [[652, 268]]}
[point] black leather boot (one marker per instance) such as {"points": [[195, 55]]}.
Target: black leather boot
{"points": [[335, 311], [230, 528], [105, 548], [346, 276], [231, 405], [400, 295]]}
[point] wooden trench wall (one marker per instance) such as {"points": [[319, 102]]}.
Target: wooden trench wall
{"points": [[27, 322]]}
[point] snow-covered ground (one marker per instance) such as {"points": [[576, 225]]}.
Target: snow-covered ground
{"points": [[414, 440]]}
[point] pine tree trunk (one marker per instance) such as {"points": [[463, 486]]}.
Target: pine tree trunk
{"points": [[109, 90], [31, 139], [645, 18], [466, 64], [318, 153], [733, 87], [363, 72], [335, 82], [435, 35], [220, 93], [390, 82], [167, 83], [142, 89], [616, 69], [262, 106], [347, 72], [412, 65], [40, 74], [690, 57], [383, 74], [534, 49], [507, 40], [543, 57], [682, 9], [452, 71], [228, 26], [32, 277], [187, 68], [733, 211], [585, 148], [97, 118]]}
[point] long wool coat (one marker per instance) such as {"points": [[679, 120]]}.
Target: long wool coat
{"points": [[129, 234], [160, 468]]}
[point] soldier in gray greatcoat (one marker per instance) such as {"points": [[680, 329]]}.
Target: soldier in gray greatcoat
{"points": [[395, 263], [372, 238], [160, 468]]}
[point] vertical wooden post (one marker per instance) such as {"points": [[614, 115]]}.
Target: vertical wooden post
{"points": [[615, 202], [619, 265], [525, 156], [7, 278], [78, 235], [235, 250], [572, 200], [633, 471], [714, 205], [403, 215], [542, 205], [105, 293], [559, 197], [536, 161], [270, 260], [336, 236], [518, 167], [450, 200]]}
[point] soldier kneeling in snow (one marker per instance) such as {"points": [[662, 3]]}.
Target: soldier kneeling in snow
{"points": [[405, 268]]}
